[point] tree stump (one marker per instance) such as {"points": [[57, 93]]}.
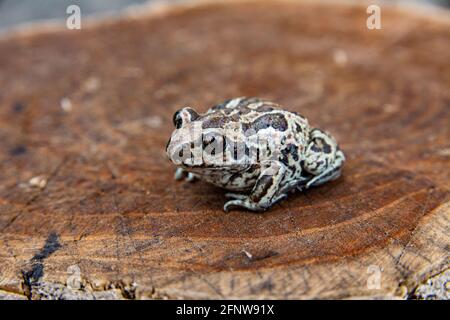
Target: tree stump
{"points": [[88, 204]]}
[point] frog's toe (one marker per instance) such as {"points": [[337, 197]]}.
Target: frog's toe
{"points": [[281, 197], [246, 204], [190, 177], [237, 196], [179, 174]]}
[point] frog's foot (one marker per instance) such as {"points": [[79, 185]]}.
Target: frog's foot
{"points": [[182, 174], [302, 182], [323, 159], [243, 203], [279, 198], [331, 173]]}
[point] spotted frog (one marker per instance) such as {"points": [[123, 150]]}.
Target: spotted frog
{"points": [[253, 148]]}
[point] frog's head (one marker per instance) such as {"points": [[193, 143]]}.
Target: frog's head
{"points": [[186, 135], [199, 142]]}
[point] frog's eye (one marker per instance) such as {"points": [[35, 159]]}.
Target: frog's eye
{"points": [[183, 116], [177, 120]]}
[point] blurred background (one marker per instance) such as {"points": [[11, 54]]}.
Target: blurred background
{"points": [[15, 12]]}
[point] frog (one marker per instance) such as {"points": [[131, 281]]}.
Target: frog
{"points": [[254, 148]]}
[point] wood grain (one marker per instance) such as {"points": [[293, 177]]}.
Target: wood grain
{"points": [[87, 114]]}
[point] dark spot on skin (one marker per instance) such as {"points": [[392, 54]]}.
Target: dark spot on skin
{"points": [[264, 108], [274, 120], [285, 161], [326, 148], [236, 117], [298, 127], [18, 150], [228, 111], [18, 107], [244, 110], [291, 149], [193, 114], [295, 154], [321, 146], [253, 168], [235, 176], [319, 163], [293, 170], [215, 122], [263, 185]]}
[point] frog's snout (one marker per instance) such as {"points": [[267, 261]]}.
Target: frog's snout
{"points": [[179, 153]]}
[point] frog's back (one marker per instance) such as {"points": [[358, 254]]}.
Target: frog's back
{"points": [[243, 108], [259, 115]]}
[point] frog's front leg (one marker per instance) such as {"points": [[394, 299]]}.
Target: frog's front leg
{"points": [[188, 176], [265, 192]]}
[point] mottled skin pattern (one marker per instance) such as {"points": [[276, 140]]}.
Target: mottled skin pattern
{"points": [[299, 157]]}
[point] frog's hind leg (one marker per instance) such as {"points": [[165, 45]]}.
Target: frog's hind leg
{"points": [[331, 173], [323, 159]]}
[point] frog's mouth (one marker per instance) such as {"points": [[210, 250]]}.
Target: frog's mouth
{"points": [[189, 158], [210, 166]]}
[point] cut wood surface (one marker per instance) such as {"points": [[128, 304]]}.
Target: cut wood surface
{"points": [[88, 204]]}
